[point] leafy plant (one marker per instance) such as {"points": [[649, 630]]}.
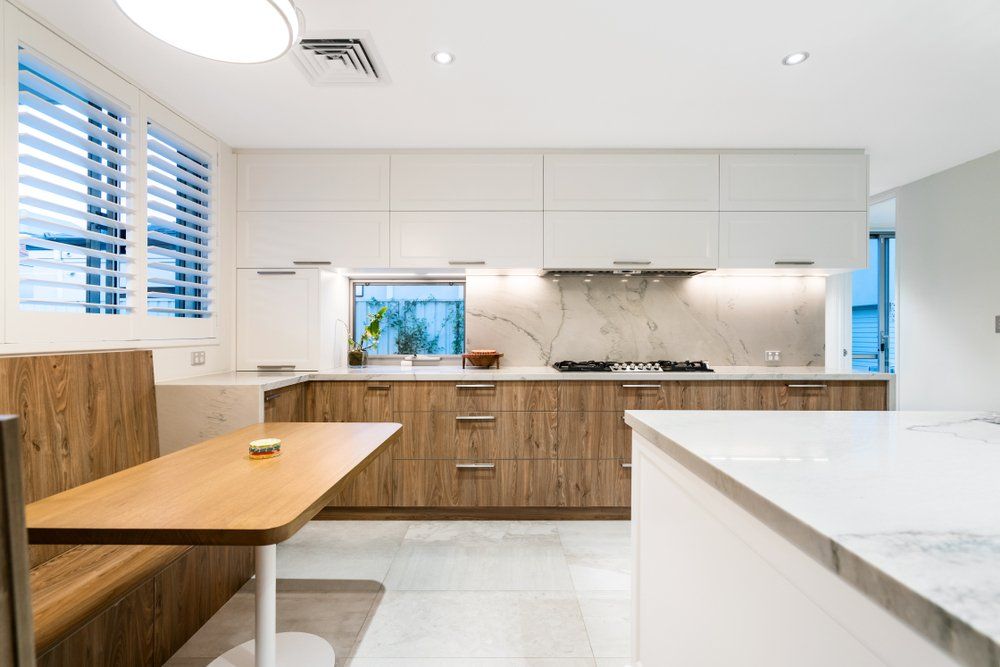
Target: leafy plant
{"points": [[372, 332]]}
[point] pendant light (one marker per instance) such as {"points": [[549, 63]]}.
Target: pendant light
{"points": [[233, 31]]}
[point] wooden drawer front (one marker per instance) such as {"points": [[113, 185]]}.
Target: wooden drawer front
{"points": [[285, 405], [829, 395], [593, 435], [373, 486], [594, 483], [475, 396], [477, 435], [442, 484], [644, 395], [587, 396], [529, 435], [350, 401]]}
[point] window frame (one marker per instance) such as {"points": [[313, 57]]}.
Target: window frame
{"points": [[408, 281], [884, 289]]}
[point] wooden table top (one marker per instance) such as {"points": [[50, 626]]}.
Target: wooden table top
{"points": [[212, 493]]}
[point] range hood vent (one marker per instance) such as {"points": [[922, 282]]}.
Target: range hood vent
{"points": [[338, 59], [650, 273]]}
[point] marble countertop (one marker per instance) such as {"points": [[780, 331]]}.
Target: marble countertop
{"points": [[276, 380], [903, 505]]}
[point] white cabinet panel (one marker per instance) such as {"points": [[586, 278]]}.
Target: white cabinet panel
{"points": [[337, 239], [277, 319], [594, 240], [312, 182], [511, 240], [794, 182], [464, 182], [821, 240], [631, 182]]}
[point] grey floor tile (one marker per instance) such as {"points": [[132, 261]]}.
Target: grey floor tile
{"points": [[364, 534], [474, 624], [606, 537], [483, 533], [465, 662], [596, 573], [613, 662], [607, 615], [320, 561], [511, 567]]}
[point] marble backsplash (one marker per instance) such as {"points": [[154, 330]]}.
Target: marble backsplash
{"points": [[723, 320]]}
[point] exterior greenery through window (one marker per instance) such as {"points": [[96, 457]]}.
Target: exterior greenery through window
{"points": [[421, 317]]}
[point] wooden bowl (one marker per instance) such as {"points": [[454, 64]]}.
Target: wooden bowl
{"points": [[482, 360]]}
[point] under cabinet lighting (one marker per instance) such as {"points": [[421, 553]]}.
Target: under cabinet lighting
{"points": [[233, 31], [796, 58], [443, 57]]}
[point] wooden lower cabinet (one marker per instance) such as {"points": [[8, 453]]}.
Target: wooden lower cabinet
{"points": [[477, 435], [286, 404]]}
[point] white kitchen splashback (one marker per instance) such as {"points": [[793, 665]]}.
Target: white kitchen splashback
{"points": [[723, 320]]}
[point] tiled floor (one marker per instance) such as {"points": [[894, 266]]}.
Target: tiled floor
{"points": [[448, 593]]}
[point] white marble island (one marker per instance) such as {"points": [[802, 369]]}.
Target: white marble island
{"points": [[819, 538]]}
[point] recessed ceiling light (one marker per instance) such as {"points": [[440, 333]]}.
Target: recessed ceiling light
{"points": [[796, 58], [233, 31], [443, 57]]}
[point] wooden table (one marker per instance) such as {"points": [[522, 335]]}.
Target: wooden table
{"points": [[212, 493]]}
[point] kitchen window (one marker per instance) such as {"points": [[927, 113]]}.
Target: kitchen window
{"points": [[873, 307], [422, 317]]}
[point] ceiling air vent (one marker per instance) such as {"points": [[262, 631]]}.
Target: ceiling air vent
{"points": [[340, 59]]}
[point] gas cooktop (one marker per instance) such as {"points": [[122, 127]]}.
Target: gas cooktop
{"points": [[632, 367]]}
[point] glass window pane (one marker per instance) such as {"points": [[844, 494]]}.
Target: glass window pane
{"points": [[864, 311], [421, 318], [892, 305]]}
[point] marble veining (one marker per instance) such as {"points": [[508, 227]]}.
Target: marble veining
{"points": [[903, 505], [725, 321]]}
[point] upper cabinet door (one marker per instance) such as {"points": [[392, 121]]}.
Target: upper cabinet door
{"points": [[632, 182], [278, 319], [468, 240], [794, 182], [312, 182], [631, 240], [793, 240], [349, 239], [466, 182]]}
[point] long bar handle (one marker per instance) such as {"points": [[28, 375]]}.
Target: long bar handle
{"points": [[475, 466], [466, 262], [475, 418], [378, 387], [275, 367], [627, 466], [311, 262], [806, 386], [640, 386], [475, 386], [639, 262], [794, 262], [276, 273]]}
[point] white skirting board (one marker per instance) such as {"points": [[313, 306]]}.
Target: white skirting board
{"points": [[714, 586]]}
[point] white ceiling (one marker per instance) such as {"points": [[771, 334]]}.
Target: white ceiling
{"points": [[916, 82]]}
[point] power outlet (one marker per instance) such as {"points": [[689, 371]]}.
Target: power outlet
{"points": [[198, 358], [772, 356]]}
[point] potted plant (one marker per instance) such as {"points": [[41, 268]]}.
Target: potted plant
{"points": [[357, 350]]}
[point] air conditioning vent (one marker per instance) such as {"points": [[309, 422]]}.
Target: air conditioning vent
{"points": [[339, 59]]}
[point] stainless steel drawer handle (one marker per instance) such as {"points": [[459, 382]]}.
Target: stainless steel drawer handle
{"points": [[475, 466], [639, 262], [311, 262], [475, 418], [794, 262], [475, 386], [276, 273], [466, 262], [378, 387], [275, 367], [806, 386], [627, 466], [640, 386]]}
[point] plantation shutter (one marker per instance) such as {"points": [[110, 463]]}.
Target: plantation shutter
{"points": [[74, 193], [179, 227]]}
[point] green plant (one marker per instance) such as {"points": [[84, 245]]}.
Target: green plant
{"points": [[372, 332]]}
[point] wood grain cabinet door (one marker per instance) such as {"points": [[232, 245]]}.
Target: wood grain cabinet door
{"points": [[644, 395], [445, 483], [593, 435], [587, 396], [285, 405], [812, 395], [528, 435], [350, 401], [594, 483]]}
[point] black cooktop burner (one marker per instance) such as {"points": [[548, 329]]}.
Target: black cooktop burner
{"points": [[632, 367]]}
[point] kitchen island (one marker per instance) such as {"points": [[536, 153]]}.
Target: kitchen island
{"points": [[816, 538]]}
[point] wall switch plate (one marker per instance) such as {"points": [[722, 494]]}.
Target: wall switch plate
{"points": [[198, 358], [772, 355]]}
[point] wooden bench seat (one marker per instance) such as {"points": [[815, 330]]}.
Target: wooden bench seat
{"points": [[71, 589]]}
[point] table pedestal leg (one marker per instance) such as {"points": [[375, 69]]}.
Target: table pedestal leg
{"points": [[269, 648]]}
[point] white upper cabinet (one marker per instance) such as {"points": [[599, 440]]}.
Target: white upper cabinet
{"points": [[350, 239], [469, 240], [278, 319], [632, 182], [794, 182], [793, 240], [466, 182], [313, 182], [631, 240]]}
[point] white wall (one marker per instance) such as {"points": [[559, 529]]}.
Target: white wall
{"points": [[948, 265]]}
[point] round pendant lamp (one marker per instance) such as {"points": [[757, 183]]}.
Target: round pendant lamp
{"points": [[233, 31]]}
